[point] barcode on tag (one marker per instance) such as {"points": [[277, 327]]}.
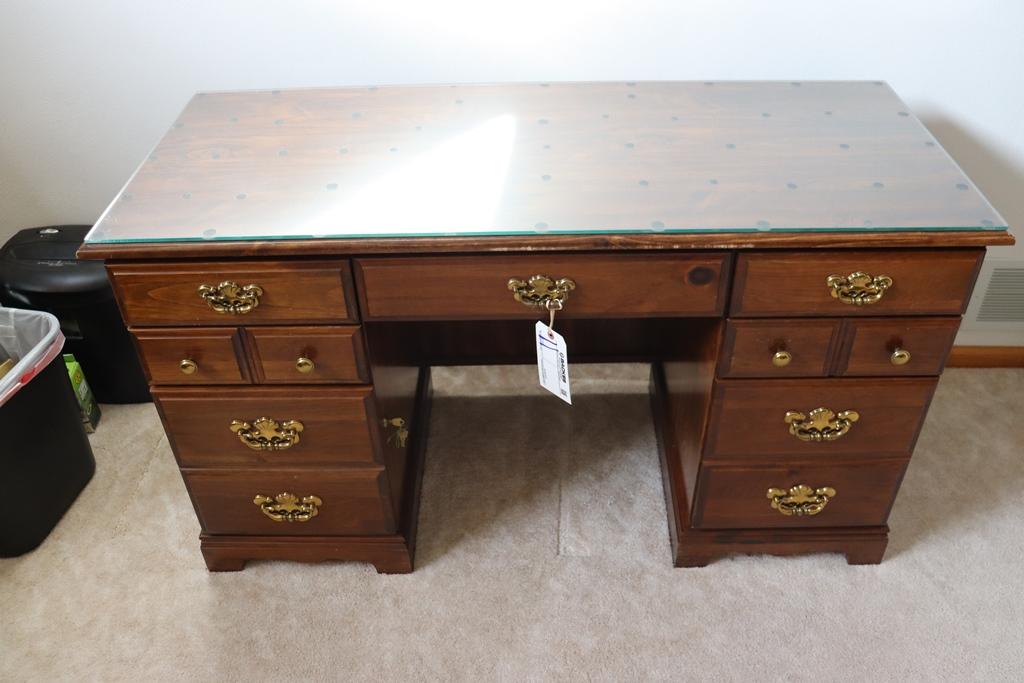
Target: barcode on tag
{"points": [[553, 362]]}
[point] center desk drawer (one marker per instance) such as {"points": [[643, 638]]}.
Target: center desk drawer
{"points": [[625, 285], [234, 293], [779, 419], [344, 502], [281, 427], [907, 282]]}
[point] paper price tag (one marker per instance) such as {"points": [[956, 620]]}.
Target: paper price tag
{"points": [[553, 362]]}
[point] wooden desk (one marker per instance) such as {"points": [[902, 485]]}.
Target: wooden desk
{"points": [[792, 258]]}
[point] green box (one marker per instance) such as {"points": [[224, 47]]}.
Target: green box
{"points": [[86, 402]]}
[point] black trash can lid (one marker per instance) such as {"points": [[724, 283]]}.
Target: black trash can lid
{"points": [[42, 261]]}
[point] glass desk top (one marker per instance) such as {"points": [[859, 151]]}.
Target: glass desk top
{"points": [[559, 158]]}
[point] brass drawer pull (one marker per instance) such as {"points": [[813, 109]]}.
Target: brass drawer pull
{"points": [[305, 365], [540, 290], [782, 358], [229, 297], [400, 435], [821, 425], [287, 507], [899, 356], [188, 366], [800, 500], [265, 434], [858, 289]]}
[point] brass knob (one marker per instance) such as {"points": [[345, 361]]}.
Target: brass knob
{"points": [[189, 366], [304, 365], [781, 359], [899, 356]]}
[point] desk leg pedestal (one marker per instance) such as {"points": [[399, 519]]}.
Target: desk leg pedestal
{"points": [[390, 554], [679, 405]]}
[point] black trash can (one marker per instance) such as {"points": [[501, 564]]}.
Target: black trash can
{"points": [[39, 271], [45, 458]]}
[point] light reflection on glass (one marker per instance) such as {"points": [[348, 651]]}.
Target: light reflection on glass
{"points": [[456, 186]]}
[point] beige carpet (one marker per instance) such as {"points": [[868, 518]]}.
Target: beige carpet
{"points": [[543, 555]]}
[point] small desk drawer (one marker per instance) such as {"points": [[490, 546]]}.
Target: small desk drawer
{"points": [[899, 346], [853, 495], [193, 355], [267, 292], [778, 348], [316, 426], [308, 355], [749, 418], [791, 283], [345, 501], [626, 285]]}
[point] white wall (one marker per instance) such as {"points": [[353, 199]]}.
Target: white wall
{"points": [[86, 88]]}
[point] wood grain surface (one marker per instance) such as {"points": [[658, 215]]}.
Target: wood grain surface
{"points": [[927, 282], [747, 417], [606, 286], [339, 425], [354, 501], [293, 292], [736, 496]]}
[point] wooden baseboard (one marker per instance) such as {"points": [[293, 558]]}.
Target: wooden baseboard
{"points": [[986, 357]]}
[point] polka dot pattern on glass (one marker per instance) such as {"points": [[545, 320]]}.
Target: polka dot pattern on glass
{"points": [[703, 156]]}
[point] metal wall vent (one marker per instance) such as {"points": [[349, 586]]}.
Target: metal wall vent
{"points": [[1003, 300]]}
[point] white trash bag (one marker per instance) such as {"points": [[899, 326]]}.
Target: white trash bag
{"points": [[33, 339]]}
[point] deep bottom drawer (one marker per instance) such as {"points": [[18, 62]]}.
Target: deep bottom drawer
{"points": [[345, 502], [736, 497]]}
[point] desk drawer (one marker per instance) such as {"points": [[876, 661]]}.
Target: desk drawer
{"points": [[346, 502], [778, 348], [935, 282], [271, 292], [899, 346], [748, 418], [309, 355], [737, 497], [626, 285], [193, 355], [336, 426]]}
